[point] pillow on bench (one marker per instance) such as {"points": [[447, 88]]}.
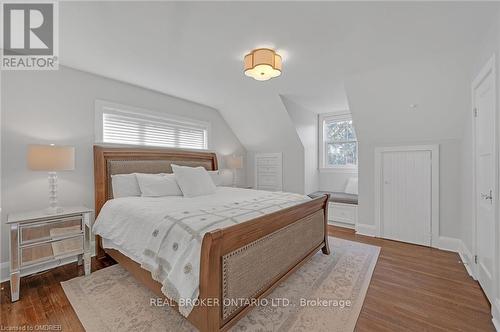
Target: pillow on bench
{"points": [[352, 186]]}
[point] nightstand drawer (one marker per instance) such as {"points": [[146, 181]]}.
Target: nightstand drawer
{"points": [[54, 229], [37, 253]]}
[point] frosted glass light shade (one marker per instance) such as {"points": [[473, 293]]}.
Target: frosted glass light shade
{"points": [[51, 158], [262, 64], [234, 162]]}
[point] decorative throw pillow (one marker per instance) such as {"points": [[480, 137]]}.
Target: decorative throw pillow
{"points": [[157, 185], [352, 186], [125, 185], [194, 181]]}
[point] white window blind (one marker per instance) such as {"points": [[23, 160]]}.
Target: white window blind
{"points": [[124, 127]]}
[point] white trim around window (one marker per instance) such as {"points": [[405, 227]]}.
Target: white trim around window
{"points": [[137, 126], [322, 118]]}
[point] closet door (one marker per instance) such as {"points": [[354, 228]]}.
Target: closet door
{"points": [[485, 168], [406, 202]]}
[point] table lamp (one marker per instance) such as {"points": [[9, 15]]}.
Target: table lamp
{"points": [[51, 158], [233, 163]]}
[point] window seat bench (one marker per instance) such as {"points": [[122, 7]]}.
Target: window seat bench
{"points": [[337, 197], [342, 208]]}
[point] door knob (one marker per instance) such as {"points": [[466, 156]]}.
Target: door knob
{"points": [[487, 196]]}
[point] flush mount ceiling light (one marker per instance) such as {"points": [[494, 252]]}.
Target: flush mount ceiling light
{"points": [[263, 64]]}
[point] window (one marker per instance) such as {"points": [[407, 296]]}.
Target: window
{"points": [[338, 143], [122, 124]]}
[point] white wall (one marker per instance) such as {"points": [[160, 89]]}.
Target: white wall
{"points": [[335, 180], [306, 125], [265, 126], [489, 47], [379, 101], [58, 107]]}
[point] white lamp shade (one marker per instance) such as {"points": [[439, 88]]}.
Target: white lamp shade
{"points": [[51, 158], [234, 162]]}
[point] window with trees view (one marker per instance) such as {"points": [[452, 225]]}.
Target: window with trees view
{"points": [[340, 146]]}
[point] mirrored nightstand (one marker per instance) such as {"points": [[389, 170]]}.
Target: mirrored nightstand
{"points": [[38, 238]]}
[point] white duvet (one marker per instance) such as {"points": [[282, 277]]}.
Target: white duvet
{"points": [[127, 224]]}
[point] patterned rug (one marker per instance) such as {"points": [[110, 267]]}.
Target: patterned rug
{"points": [[325, 294]]}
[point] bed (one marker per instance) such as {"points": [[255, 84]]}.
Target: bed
{"points": [[245, 260]]}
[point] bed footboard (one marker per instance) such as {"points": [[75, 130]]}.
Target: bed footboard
{"points": [[246, 261], [248, 270]]}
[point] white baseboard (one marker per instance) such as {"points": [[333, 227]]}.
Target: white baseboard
{"points": [[447, 243], [458, 246], [495, 311], [341, 224], [368, 230], [467, 258]]}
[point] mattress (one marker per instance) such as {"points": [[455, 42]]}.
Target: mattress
{"points": [[128, 222], [164, 234]]}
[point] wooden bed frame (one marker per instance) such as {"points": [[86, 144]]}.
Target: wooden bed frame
{"points": [[220, 243]]}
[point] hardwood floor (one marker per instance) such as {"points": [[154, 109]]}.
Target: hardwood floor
{"points": [[413, 288], [42, 300], [416, 288]]}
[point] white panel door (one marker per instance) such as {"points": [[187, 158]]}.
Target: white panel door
{"points": [[406, 202], [484, 103]]}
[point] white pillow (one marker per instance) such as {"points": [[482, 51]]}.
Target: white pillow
{"points": [[125, 185], [216, 177], [157, 185], [352, 186], [194, 181]]}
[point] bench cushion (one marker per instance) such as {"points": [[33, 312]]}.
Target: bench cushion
{"points": [[337, 197]]}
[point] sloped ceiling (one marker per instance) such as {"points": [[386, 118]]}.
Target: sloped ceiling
{"points": [[194, 50], [414, 100]]}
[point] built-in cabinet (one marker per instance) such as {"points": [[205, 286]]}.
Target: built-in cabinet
{"points": [[341, 214], [269, 171]]}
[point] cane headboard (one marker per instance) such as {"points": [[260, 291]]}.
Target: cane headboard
{"points": [[112, 160]]}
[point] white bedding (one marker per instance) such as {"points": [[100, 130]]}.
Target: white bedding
{"points": [[127, 223]]}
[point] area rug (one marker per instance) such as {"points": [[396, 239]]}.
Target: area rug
{"points": [[325, 294]]}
